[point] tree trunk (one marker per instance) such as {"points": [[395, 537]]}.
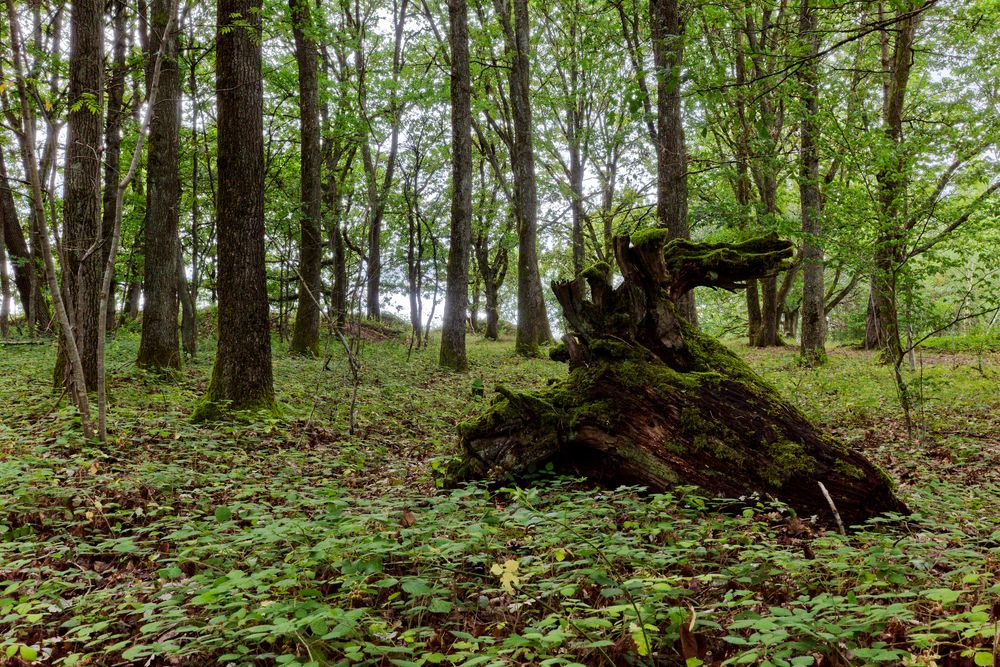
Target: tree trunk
{"points": [[4, 286], [813, 342], [242, 377], [767, 335], [189, 316], [28, 279], [532, 320], [305, 336], [649, 400], [890, 248], [159, 345], [82, 236], [671, 155], [378, 193], [493, 273], [413, 268], [333, 203], [457, 290], [113, 136]]}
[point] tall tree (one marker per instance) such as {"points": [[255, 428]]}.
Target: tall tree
{"points": [[305, 336], [377, 189], [242, 376], [890, 244], [159, 346], [28, 276], [74, 368], [457, 293], [813, 295], [667, 28], [4, 285], [113, 129], [82, 234], [532, 319]]}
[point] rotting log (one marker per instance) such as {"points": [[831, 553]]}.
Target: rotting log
{"points": [[649, 400]]}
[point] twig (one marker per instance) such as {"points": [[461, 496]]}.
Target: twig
{"points": [[833, 508]]}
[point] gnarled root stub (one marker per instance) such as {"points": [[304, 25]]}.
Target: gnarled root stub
{"points": [[649, 400]]}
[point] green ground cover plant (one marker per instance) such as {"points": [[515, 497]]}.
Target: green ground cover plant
{"points": [[287, 540]]}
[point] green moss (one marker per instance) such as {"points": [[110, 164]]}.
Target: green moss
{"points": [[210, 409], [598, 271], [845, 468], [611, 349], [650, 236], [559, 353], [785, 458]]}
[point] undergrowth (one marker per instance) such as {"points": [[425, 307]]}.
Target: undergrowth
{"points": [[286, 540]]}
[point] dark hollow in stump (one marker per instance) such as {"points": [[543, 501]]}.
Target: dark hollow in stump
{"points": [[649, 400]]}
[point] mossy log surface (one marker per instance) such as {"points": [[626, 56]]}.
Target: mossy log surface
{"points": [[649, 400]]}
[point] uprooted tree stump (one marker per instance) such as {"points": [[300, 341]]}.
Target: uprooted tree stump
{"points": [[649, 400]]}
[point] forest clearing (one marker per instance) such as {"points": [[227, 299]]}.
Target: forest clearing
{"points": [[287, 540]]}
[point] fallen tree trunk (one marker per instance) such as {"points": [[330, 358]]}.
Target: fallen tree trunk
{"points": [[649, 400]]}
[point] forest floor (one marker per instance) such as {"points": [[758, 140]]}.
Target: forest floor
{"points": [[288, 540]]}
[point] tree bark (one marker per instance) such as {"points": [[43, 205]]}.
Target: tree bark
{"points": [[650, 400], [189, 316], [532, 319], [242, 377], [667, 30], [28, 278], [113, 135], [159, 345], [457, 290], [305, 335], [812, 344], [82, 234], [4, 286], [890, 245], [378, 193], [493, 273]]}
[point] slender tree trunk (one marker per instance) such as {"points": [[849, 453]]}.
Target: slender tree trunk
{"points": [[71, 359], [378, 193], [813, 293], [82, 234], [671, 155], [189, 323], [457, 290], [113, 135], [305, 336], [336, 240], [532, 319], [4, 286], [890, 248], [413, 268], [159, 346], [576, 174], [28, 276], [242, 376]]}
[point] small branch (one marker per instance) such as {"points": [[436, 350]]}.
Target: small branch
{"points": [[833, 508]]}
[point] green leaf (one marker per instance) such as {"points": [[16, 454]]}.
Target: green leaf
{"points": [[223, 513], [417, 586], [943, 595], [440, 606], [28, 653], [983, 659]]}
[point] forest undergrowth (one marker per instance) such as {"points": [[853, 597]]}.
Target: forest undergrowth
{"points": [[287, 540]]}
